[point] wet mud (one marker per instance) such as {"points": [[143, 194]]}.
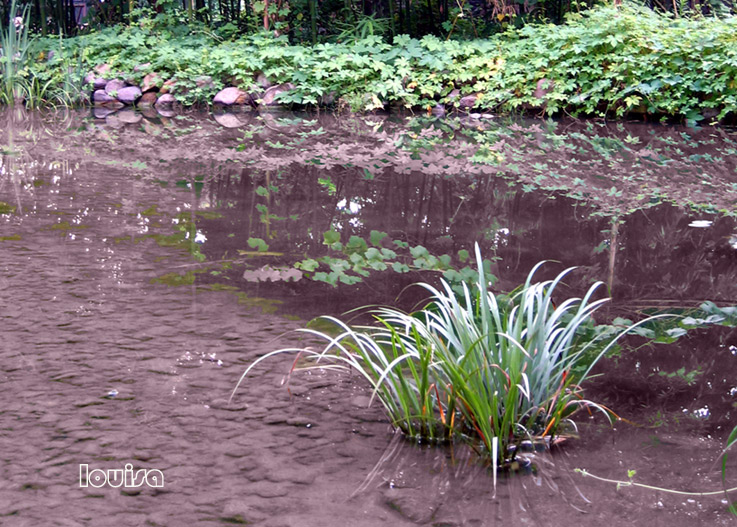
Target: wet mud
{"points": [[106, 364]]}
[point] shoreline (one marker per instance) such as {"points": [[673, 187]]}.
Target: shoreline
{"points": [[611, 62]]}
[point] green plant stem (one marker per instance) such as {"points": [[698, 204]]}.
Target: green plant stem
{"points": [[630, 483]]}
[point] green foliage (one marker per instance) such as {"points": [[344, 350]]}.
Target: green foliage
{"points": [[258, 244], [613, 60], [666, 328], [15, 84], [364, 27], [689, 377], [184, 237], [350, 262], [608, 61], [495, 368], [175, 279], [6, 208]]}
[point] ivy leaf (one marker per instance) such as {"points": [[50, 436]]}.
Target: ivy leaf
{"points": [[308, 265], [419, 252], [376, 237], [258, 244], [339, 265], [452, 276], [356, 244], [331, 237], [348, 279], [377, 265]]}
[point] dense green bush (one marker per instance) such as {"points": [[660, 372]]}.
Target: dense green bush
{"points": [[608, 61]]}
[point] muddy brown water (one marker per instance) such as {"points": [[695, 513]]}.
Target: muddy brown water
{"points": [[111, 360]]}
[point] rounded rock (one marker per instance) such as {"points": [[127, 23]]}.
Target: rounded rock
{"points": [[129, 116], [269, 96], [227, 120], [129, 95], [114, 86], [148, 99], [230, 96], [150, 82], [100, 97], [166, 101]]}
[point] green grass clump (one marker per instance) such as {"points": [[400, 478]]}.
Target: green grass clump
{"points": [[492, 369], [14, 57]]}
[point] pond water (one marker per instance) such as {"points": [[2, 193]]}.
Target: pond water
{"points": [[147, 260]]}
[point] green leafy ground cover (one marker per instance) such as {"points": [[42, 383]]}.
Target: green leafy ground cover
{"points": [[608, 61]]}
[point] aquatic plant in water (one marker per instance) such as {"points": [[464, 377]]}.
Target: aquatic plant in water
{"points": [[489, 368], [14, 57]]}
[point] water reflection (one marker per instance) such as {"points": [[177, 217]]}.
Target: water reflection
{"points": [[104, 366]]}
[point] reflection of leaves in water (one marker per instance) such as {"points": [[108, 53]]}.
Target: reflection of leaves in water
{"points": [[268, 273], [611, 169], [6, 208], [646, 165]]}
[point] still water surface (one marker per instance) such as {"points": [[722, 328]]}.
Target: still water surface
{"points": [[134, 291]]}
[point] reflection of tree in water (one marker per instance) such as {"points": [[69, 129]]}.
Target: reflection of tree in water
{"points": [[428, 182], [675, 261], [657, 256], [297, 205]]}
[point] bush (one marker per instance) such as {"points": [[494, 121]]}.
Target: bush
{"points": [[608, 61]]}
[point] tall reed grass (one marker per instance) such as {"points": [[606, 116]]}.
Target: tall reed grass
{"points": [[14, 46], [492, 369], [18, 85]]}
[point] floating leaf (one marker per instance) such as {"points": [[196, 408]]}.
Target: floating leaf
{"points": [[258, 244], [356, 244], [419, 252], [331, 237], [376, 237], [308, 265]]}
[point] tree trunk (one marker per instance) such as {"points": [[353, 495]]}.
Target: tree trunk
{"points": [[313, 20], [41, 9]]}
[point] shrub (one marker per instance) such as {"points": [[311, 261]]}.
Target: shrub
{"points": [[608, 61]]}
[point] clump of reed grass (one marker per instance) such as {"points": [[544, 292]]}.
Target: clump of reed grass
{"points": [[492, 369], [17, 84], [14, 47]]}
